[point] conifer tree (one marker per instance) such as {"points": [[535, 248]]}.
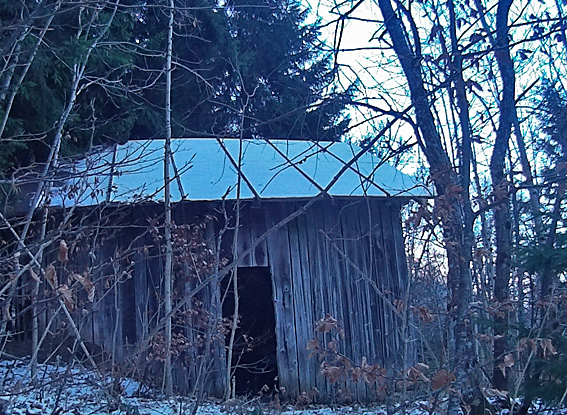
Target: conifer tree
{"points": [[223, 52]]}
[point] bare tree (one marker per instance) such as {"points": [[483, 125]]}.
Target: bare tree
{"points": [[443, 60], [168, 277]]}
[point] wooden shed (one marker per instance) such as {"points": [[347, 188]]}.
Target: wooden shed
{"points": [[311, 230]]}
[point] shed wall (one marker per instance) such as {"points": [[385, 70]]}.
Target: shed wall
{"points": [[343, 257]]}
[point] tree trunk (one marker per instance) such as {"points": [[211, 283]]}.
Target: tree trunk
{"points": [[500, 186], [450, 202], [168, 271]]}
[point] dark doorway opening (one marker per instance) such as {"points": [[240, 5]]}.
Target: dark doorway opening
{"points": [[254, 356]]}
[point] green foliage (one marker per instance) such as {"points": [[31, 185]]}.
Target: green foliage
{"points": [[534, 257], [553, 117], [546, 338], [254, 59], [547, 377], [251, 68]]}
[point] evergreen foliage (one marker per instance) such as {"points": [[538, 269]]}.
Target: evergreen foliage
{"points": [[546, 337], [553, 143], [240, 68]]}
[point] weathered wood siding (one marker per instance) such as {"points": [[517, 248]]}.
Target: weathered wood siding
{"points": [[343, 257]]}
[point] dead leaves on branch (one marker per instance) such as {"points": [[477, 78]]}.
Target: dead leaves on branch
{"points": [[326, 324], [424, 314], [34, 274], [543, 348], [507, 363], [158, 347], [441, 379], [312, 345], [547, 348], [332, 372], [337, 367], [191, 246], [540, 347], [500, 310], [64, 291]]}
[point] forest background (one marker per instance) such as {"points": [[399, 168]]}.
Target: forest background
{"points": [[470, 91]]}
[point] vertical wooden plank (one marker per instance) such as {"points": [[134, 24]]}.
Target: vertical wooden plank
{"points": [[326, 271], [258, 228], [402, 274], [310, 295], [280, 266], [336, 269], [140, 295], [363, 224], [379, 274], [391, 334], [358, 290], [128, 299], [398, 246], [396, 293], [303, 302], [384, 284], [244, 236], [317, 286]]}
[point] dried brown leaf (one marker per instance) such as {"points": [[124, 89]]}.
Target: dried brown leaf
{"points": [[355, 374], [494, 393], [547, 348], [502, 368], [326, 324], [34, 275], [51, 276], [67, 296], [312, 344], [333, 373], [526, 342], [424, 314], [441, 379], [346, 363], [332, 346], [509, 360], [87, 285], [412, 373], [63, 255]]}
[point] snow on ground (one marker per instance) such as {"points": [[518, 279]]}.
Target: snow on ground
{"points": [[68, 390]]}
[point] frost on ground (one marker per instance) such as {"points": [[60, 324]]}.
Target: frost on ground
{"points": [[73, 390]]}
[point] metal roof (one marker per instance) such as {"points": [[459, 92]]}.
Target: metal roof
{"points": [[206, 169]]}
